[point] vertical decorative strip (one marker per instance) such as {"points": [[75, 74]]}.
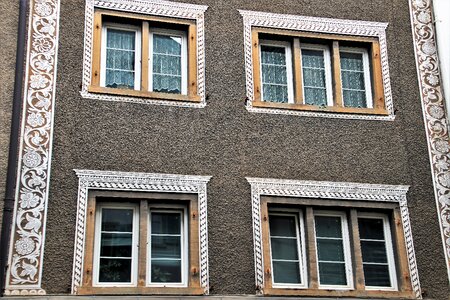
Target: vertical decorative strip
{"points": [[28, 228], [433, 107]]}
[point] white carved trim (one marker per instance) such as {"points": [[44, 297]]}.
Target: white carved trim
{"points": [[26, 253], [433, 107], [329, 190], [142, 182], [322, 25], [150, 7]]}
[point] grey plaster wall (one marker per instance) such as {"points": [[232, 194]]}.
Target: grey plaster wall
{"points": [[8, 23], [227, 142]]}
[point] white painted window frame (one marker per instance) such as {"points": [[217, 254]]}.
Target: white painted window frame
{"points": [[367, 73], [389, 250], [346, 247], [301, 248], [184, 53], [137, 56], [135, 244], [289, 72], [184, 244], [327, 64]]}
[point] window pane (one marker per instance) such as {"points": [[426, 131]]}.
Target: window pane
{"points": [[283, 248], [166, 271], [167, 64], [116, 244], [328, 226], [274, 74], [351, 61], [314, 84], [353, 82], [166, 247], [286, 272], [332, 273], [120, 58], [114, 219], [282, 226], [373, 251], [354, 98], [166, 223], [330, 250], [371, 228], [114, 270], [377, 275]]}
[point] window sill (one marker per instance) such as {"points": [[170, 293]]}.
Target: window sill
{"points": [[143, 94], [140, 291], [325, 109], [338, 293]]}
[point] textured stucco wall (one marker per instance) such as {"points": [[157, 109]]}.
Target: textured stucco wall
{"points": [[227, 142], [8, 23]]}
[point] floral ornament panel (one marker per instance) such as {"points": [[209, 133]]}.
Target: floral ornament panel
{"points": [[27, 241], [433, 106]]}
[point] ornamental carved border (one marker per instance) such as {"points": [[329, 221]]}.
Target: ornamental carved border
{"points": [[150, 7], [318, 25], [434, 115], [329, 190], [142, 182], [33, 176]]}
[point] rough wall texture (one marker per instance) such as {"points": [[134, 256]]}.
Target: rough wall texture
{"points": [[8, 23], [229, 143]]}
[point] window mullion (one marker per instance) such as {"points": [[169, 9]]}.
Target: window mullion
{"points": [[97, 49], [257, 69], [337, 84], [378, 92], [312, 250], [298, 80], [143, 233], [145, 56], [192, 60], [399, 241], [357, 253]]}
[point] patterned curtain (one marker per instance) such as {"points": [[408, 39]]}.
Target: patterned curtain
{"points": [[313, 67], [352, 76], [274, 74], [166, 64], [120, 58]]}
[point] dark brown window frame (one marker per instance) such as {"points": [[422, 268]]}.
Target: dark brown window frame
{"points": [[143, 199], [378, 98], [95, 86], [350, 207]]}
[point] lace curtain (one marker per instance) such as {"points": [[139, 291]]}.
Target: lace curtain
{"points": [[352, 76], [120, 58], [166, 64], [274, 74], [314, 86]]}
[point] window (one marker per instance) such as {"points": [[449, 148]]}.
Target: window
{"points": [[330, 248], [144, 56], [141, 243], [326, 73]]}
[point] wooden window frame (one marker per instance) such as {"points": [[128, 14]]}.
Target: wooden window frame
{"points": [[189, 82], [144, 201], [352, 209], [334, 40]]}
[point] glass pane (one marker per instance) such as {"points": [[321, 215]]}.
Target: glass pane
{"points": [[312, 59], [353, 80], [330, 250], [120, 39], [328, 226], [166, 44], [315, 96], [273, 55], [286, 272], [116, 219], [314, 77], [283, 248], [274, 74], [282, 226], [167, 64], [167, 84], [373, 251], [354, 98], [352, 61], [275, 93], [371, 229], [332, 273], [119, 79], [166, 270], [166, 247], [116, 244], [166, 223], [114, 270], [376, 275]]}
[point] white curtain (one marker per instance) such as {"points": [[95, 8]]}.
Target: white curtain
{"points": [[314, 86], [274, 74], [352, 76], [120, 58], [166, 64]]}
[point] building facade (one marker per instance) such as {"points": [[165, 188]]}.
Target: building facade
{"points": [[274, 148]]}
